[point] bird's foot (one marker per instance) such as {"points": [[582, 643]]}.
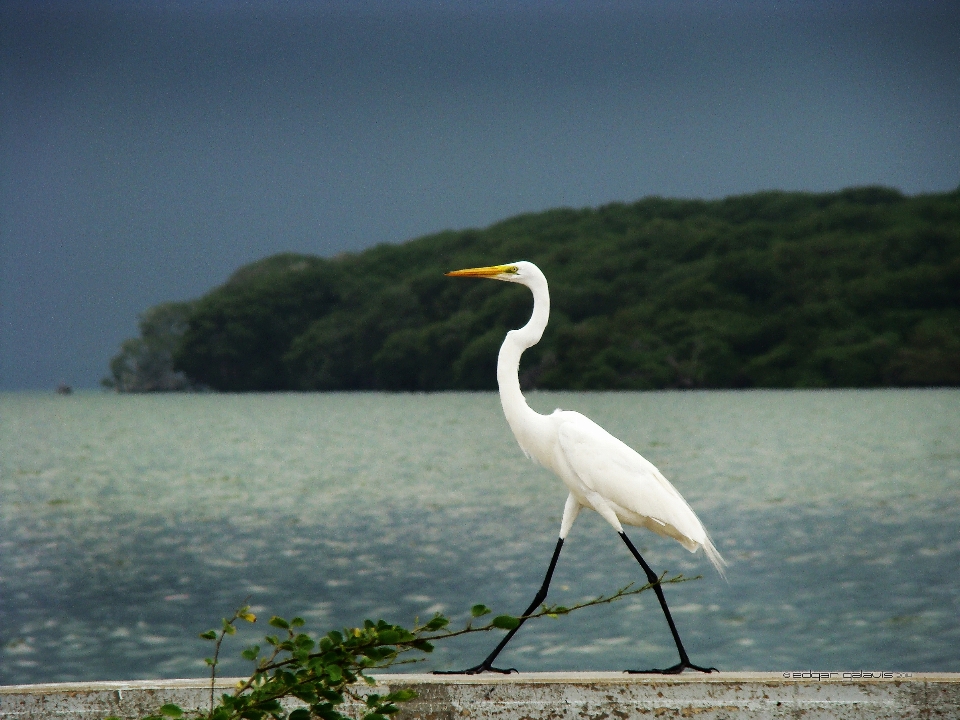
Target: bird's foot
{"points": [[476, 670], [673, 669]]}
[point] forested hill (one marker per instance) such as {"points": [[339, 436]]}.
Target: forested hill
{"points": [[855, 288]]}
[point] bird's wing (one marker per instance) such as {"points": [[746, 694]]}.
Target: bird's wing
{"points": [[621, 475]]}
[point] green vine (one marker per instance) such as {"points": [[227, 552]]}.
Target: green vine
{"points": [[323, 674]]}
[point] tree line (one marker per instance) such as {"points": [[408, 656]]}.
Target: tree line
{"points": [[856, 288]]}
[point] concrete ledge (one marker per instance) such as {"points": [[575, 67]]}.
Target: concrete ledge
{"points": [[552, 696]]}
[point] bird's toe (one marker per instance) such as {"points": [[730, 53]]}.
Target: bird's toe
{"points": [[476, 670], [673, 669]]}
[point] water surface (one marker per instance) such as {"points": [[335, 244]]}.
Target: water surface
{"points": [[128, 524]]}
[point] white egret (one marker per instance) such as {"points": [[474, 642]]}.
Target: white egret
{"points": [[600, 471]]}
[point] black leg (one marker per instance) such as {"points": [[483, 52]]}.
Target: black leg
{"points": [[487, 665], [653, 580]]}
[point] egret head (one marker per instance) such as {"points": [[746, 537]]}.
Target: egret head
{"points": [[518, 272]]}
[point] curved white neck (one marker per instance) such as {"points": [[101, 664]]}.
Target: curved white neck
{"points": [[515, 407]]}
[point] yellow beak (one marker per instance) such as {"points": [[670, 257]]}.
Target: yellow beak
{"points": [[485, 272]]}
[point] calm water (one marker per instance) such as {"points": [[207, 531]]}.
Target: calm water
{"points": [[128, 524]]}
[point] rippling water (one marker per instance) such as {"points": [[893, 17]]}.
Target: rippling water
{"points": [[128, 524]]}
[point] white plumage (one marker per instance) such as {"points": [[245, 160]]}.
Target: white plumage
{"points": [[631, 486]]}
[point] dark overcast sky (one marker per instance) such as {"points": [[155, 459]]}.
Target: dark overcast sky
{"points": [[147, 153]]}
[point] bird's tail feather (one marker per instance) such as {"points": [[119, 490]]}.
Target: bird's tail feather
{"points": [[711, 552]]}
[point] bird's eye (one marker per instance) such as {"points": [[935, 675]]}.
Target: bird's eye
{"points": [[511, 270]]}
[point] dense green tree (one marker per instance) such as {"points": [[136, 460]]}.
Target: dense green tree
{"points": [[859, 288], [238, 334], [145, 363]]}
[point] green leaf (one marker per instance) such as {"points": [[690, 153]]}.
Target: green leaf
{"points": [[307, 694], [506, 622], [170, 710], [300, 714], [480, 610], [334, 672], [209, 635], [229, 629], [438, 622], [379, 653], [328, 713], [286, 678], [279, 622], [210, 661], [251, 652], [304, 642], [298, 622], [389, 637]]}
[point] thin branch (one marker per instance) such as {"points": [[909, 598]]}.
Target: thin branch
{"points": [[557, 610]]}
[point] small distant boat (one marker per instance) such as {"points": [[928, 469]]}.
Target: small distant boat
{"points": [[64, 389]]}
